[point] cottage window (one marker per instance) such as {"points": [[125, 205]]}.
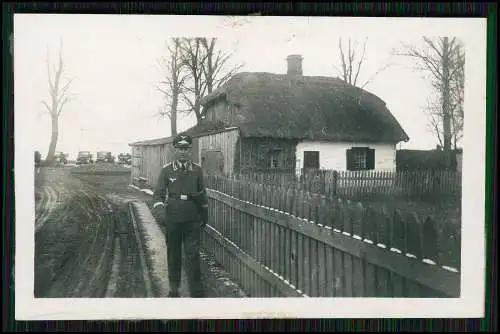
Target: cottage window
{"points": [[273, 159], [360, 158], [311, 159]]}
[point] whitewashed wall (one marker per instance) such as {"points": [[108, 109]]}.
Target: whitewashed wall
{"points": [[333, 155]]}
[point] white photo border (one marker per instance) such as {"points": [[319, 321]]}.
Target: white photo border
{"points": [[471, 303]]}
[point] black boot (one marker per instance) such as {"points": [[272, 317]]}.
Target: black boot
{"points": [[199, 295], [173, 294]]}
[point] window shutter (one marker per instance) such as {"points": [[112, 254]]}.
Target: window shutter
{"points": [[316, 160], [311, 159], [349, 159], [370, 159]]}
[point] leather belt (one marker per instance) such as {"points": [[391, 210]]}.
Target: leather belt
{"points": [[182, 197]]}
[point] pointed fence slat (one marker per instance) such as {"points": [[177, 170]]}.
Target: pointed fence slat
{"points": [[283, 241], [359, 185]]}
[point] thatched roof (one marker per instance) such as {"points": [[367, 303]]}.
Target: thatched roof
{"points": [[202, 129], [306, 107]]}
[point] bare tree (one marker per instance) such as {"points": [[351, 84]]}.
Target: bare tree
{"points": [[214, 68], [195, 88], [58, 98], [208, 70], [457, 96], [443, 59], [174, 76], [352, 61]]}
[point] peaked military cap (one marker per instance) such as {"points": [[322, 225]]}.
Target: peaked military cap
{"points": [[182, 140]]}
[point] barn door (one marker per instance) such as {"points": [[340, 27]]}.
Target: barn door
{"points": [[212, 162]]}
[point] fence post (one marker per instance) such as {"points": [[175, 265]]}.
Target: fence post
{"points": [[338, 211], [414, 236], [322, 211], [315, 210], [384, 233], [347, 224], [370, 224], [357, 220], [397, 231], [430, 251], [253, 193]]}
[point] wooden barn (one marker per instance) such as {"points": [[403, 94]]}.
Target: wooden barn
{"points": [[263, 121], [148, 156]]}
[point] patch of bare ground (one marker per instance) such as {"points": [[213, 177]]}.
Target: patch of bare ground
{"points": [[217, 280], [130, 282], [72, 250], [87, 247]]}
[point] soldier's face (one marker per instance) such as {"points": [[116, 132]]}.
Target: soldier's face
{"points": [[182, 153]]}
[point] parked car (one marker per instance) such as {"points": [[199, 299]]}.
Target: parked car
{"points": [[38, 158], [125, 158], [61, 158], [84, 157], [104, 156]]}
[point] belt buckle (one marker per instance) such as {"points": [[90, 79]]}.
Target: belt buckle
{"points": [[184, 197]]}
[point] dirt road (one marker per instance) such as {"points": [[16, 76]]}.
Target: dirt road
{"points": [[87, 244]]}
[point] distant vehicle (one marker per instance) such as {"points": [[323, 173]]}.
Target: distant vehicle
{"points": [[38, 158], [104, 156], [84, 157], [61, 158], [125, 158]]}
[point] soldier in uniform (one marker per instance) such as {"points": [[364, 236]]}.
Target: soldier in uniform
{"points": [[180, 191]]}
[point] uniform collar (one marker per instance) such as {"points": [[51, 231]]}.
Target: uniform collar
{"points": [[178, 165]]}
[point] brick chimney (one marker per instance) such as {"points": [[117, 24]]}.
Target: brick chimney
{"points": [[294, 65]]}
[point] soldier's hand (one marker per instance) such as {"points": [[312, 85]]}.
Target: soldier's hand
{"points": [[159, 209]]}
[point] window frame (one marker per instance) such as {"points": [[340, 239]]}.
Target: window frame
{"points": [[312, 155], [352, 158], [273, 154], [360, 159]]}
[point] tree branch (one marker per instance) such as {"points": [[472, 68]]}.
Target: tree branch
{"points": [[427, 63], [49, 110], [431, 44], [64, 101], [342, 58], [360, 63], [351, 58], [380, 70]]}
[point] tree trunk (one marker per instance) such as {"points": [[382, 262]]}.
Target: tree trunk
{"points": [[210, 71], [446, 97], [53, 138], [197, 98], [197, 109], [173, 113]]}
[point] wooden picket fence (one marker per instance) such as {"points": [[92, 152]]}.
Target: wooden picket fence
{"points": [[284, 242], [361, 185]]}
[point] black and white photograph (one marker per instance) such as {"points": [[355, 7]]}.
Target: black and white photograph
{"points": [[172, 167]]}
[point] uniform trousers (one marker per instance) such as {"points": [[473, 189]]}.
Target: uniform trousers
{"points": [[187, 234]]}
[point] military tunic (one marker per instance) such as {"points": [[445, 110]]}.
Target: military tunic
{"points": [[181, 188], [183, 191]]}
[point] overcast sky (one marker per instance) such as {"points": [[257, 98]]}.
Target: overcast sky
{"points": [[112, 60]]}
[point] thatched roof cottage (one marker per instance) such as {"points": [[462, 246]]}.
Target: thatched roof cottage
{"points": [[291, 121]]}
